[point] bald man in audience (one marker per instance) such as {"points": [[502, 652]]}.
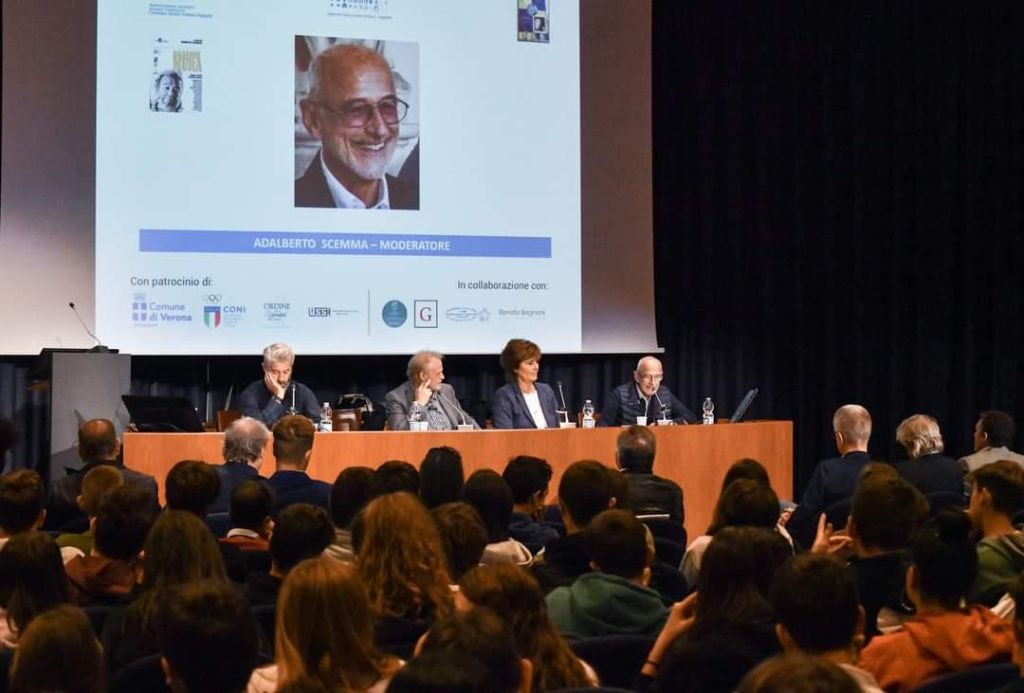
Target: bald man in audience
{"points": [[646, 396]]}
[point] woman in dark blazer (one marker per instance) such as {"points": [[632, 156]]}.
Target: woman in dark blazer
{"points": [[524, 402]]}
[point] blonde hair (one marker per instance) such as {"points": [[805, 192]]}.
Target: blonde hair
{"points": [[919, 435], [854, 422]]}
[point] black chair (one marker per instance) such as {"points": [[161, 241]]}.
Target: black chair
{"points": [[979, 678], [266, 618], [553, 516], [664, 528], [256, 561], [668, 551], [97, 617], [617, 659], [144, 674], [219, 523], [398, 636]]}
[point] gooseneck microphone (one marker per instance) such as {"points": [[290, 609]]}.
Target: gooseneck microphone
{"points": [[99, 348], [561, 395], [454, 404]]}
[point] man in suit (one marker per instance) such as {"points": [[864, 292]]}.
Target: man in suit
{"points": [[425, 397], [993, 435], [352, 108], [293, 446], [645, 396], [277, 394], [244, 442], [649, 494], [97, 445]]}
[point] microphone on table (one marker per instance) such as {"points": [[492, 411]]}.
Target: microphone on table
{"points": [[561, 395], [454, 404]]}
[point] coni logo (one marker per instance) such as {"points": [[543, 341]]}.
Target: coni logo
{"points": [[394, 313]]}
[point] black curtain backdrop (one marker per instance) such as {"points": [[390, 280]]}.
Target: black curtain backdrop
{"points": [[838, 218]]}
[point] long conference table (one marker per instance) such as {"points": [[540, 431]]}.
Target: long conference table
{"points": [[695, 457]]}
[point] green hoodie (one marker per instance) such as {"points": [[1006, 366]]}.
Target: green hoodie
{"points": [[602, 604], [1000, 560]]}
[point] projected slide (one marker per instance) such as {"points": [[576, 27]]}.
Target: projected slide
{"points": [[349, 176]]}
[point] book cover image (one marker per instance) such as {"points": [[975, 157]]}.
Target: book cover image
{"points": [[533, 19], [176, 83]]}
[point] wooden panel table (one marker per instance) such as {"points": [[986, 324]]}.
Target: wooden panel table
{"points": [[696, 457]]}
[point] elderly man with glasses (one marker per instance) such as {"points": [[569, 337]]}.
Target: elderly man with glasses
{"points": [[644, 401], [352, 108]]}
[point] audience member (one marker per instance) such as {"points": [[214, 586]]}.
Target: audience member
{"points": [[97, 482], [207, 637], [649, 494], [463, 537], [515, 595], [109, 573], [614, 599], [58, 652], [293, 446], [815, 600], [444, 671], [192, 486], [529, 479], [302, 531], [251, 524], [798, 673], [745, 468], [993, 436], [1016, 592], [997, 495], [32, 580], [834, 479], [22, 507], [353, 489], [486, 491], [397, 475], [324, 632], [245, 439], [441, 477], [927, 469], [943, 637]]}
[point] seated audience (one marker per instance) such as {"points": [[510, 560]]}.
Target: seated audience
{"points": [[515, 595], [1016, 593], [444, 671], [96, 482], [529, 479], [324, 632], [397, 475], [927, 469], [997, 495], [293, 446], [245, 439], [192, 486], [798, 673], [993, 436], [109, 573], [463, 537], [353, 489], [615, 598], [649, 494], [486, 491], [207, 637], [302, 531], [32, 580], [22, 507], [58, 652], [815, 600], [251, 524], [944, 636], [441, 477]]}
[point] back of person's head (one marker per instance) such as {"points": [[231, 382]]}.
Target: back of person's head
{"points": [[251, 503], [32, 577], [97, 440], [245, 439], [123, 519], [875, 471], [527, 477], [617, 542], [919, 435], [998, 427], [884, 513], [180, 548], [445, 671], [944, 558], [397, 475], [58, 652], [745, 468], [441, 476], [815, 600], [587, 487], [853, 422], [798, 673], [400, 557], [207, 635], [463, 536], [735, 576], [192, 486], [293, 440], [635, 449], [353, 489], [484, 635], [745, 503], [325, 627], [301, 531], [95, 483], [22, 497], [1004, 483], [486, 491]]}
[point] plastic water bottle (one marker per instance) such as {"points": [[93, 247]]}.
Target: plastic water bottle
{"points": [[709, 411], [588, 414], [326, 418]]}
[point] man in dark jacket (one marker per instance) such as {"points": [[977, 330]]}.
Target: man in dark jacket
{"points": [[649, 494]]}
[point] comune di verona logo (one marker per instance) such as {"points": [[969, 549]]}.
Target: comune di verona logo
{"points": [[394, 313]]}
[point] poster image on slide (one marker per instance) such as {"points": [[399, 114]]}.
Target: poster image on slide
{"points": [[357, 126]]}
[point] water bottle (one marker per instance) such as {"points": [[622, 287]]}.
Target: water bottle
{"points": [[588, 414], [709, 411], [326, 418]]}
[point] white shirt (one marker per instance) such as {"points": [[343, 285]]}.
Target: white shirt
{"points": [[536, 413], [343, 199]]}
